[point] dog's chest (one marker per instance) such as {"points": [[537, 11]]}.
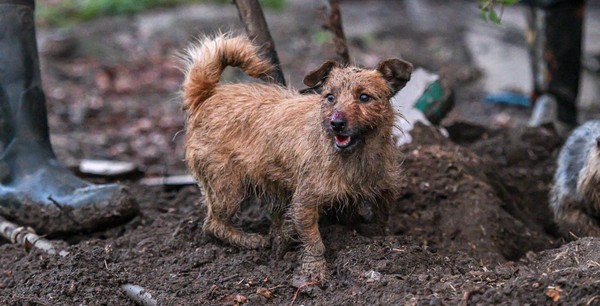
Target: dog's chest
{"points": [[353, 180]]}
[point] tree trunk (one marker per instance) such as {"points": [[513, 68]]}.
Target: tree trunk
{"points": [[253, 18]]}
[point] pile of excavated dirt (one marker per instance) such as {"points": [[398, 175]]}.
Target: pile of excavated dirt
{"points": [[470, 227]]}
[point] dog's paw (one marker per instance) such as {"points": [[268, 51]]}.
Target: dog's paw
{"points": [[314, 269], [312, 278], [253, 241]]}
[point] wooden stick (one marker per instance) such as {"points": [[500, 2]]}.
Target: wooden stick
{"points": [[139, 295], [257, 29], [333, 23], [27, 237]]}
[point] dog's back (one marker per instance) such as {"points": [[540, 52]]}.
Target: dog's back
{"points": [[234, 123], [263, 131]]}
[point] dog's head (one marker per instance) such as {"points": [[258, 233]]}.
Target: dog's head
{"points": [[356, 101]]}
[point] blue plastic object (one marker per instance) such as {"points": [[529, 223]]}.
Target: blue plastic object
{"points": [[510, 98]]}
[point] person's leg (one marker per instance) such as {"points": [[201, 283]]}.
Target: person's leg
{"points": [[35, 188], [557, 80]]}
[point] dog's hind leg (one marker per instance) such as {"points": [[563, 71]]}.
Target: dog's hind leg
{"points": [[223, 199]]}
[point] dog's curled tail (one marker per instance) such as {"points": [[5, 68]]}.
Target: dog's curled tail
{"points": [[205, 60]]}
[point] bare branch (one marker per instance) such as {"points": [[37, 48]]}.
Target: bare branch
{"points": [[333, 23]]}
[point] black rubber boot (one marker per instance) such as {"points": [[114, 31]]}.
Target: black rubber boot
{"points": [[35, 188]]}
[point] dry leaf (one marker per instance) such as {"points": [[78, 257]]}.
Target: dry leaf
{"points": [[233, 299], [554, 293], [264, 292]]}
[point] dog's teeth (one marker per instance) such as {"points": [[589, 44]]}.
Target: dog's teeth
{"points": [[342, 140]]}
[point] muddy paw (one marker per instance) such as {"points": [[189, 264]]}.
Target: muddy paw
{"points": [[314, 269], [254, 241], [312, 278]]}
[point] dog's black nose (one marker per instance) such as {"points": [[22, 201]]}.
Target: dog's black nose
{"points": [[338, 124]]}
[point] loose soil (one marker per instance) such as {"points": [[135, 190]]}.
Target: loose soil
{"points": [[471, 227]]}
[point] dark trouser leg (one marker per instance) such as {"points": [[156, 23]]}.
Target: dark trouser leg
{"points": [[562, 55], [35, 188], [556, 53]]}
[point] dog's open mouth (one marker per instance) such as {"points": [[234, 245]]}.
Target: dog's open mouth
{"points": [[343, 142]]}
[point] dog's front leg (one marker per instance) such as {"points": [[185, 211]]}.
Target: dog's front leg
{"points": [[305, 215]]}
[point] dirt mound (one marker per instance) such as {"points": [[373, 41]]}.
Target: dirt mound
{"points": [[466, 229], [567, 275]]}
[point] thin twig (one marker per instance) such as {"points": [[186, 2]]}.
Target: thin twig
{"points": [[302, 286], [333, 22], [275, 287], [592, 299]]}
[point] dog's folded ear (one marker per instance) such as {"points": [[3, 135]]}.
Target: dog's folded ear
{"points": [[317, 77], [396, 72]]}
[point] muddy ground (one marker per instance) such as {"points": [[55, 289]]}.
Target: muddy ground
{"points": [[472, 226]]}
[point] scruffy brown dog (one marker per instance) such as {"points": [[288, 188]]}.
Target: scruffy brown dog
{"points": [[575, 196], [328, 148]]}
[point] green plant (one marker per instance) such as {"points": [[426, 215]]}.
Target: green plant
{"points": [[489, 9], [273, 4]]}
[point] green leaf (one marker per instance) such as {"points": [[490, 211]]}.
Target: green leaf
{"points": [[483, 16], [484, 4], [494, 17]]}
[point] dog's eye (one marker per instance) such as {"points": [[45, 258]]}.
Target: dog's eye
{"points": [[364, 98], [330, 98]]}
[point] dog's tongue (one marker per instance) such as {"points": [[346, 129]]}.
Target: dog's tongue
{"points": [[342, 140]]}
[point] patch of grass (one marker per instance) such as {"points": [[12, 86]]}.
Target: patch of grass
{"points": [[68, 12]]}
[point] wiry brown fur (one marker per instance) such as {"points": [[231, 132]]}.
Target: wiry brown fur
{"points": [[265, 140]]}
